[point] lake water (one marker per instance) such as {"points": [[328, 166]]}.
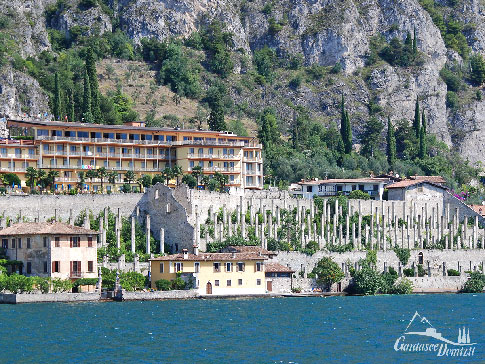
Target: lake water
{"points": [[269, 330]]}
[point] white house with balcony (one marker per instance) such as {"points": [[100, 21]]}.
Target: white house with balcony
{"points": [[334, 187]]}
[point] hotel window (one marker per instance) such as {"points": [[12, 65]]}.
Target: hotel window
{"points": [[201, 164], [196, 267], [96, 135], [58, 242], [231, 152], [28, 244], [53, 163], [231, 178], [179, 267], [239, 282], [161, 267], [90, 241], [5, 243], [216, 283], [56, 267], [99, 149], [249, 167], [249, 180], [159, 137], [13, 243], [108, 135], [187, 138], [191, 150], [31, 152], [211, 151], [143, 164], [75, 266], [18, 152], [44, 240], [46, 147], [229, 283], [149, 151], [82, 134], [3, 151], [245, 154], [259, 267], [106, 164], [170, 138], [130, 164], [75, 242], [121, 136], [112, 150], [217, 266], [137, 151], [25, 164], [191, 164], [90, 266], [228, 267], [201, 152], [45, 267], [118, 164], [60, 147], [240, 267], [29, 267], [210, 164], [19, 240], [42, 132], [148, 137], [258, 282], [224, 151], [73, 148]]}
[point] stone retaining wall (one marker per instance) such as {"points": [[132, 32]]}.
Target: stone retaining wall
{"points": [[47, 297], [160, 295], [438, 284]]}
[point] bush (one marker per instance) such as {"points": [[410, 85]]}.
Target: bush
{"points": [[475, 284], [453, 273], [179, 284], [388, 280], [132, 281], [17, 283], [403, 254], [403, 286], [328, 272], [126, 188], [358, 195], [42, 283], [452, 101], [61, 285], [408, 272], [367, 281], [163, 285]]}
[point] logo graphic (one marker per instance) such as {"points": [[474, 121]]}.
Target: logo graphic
{"points": [[419, 326]]}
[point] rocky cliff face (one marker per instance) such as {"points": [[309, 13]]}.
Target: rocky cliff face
{"points": [[325, 32]]}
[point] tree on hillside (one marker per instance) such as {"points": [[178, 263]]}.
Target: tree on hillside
{"points": [[423, 122], [477, 65], [422, 144], [328, 272], [70, 106], [345, 128], [57, 98], [93, 82], [371, 137], [102, 173], [391, 143], [268, 133], [86, 107], [417, 119]]}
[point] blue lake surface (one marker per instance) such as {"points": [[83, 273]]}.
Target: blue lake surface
{"points": [[268, 330]]}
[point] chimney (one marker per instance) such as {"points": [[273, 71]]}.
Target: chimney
{"points": [[196, 250], [233, 255], [186, 253]]}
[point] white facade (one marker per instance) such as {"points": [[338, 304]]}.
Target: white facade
{"points": [[327, 188]]}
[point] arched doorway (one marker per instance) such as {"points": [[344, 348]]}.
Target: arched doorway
{"points": [[208, 288], [420, 258]]}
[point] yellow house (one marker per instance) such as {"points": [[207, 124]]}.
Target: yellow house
{"points": [[214, 273]]}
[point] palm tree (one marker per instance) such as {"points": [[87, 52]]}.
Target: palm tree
{"points": [[167, 174], [102, 174], [197, 172], [91, 173], [112, 177], [51, 178], [222, 180], [177, 172], [31, 176], [41, 178], [129, 177]]}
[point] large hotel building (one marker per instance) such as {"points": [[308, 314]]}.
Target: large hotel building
{"points": [[74, 147]]}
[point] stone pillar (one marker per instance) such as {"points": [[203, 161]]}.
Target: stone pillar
{"points": [[429, 270], [133, 230], [415, 270], [118, 232], [399, 269], [87, 223], [354, 241], [71, 219], [197, 227], [148, 234], [162, 240], [445, 273], [101, 228]]}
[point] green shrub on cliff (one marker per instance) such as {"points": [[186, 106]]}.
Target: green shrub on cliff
{"points": [[475, 284]]}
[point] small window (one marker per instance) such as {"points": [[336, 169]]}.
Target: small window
{"points": [[259, 267], [240, 267], [161, 267], [90, 266], [45, 267], [20, 243], [28, 244], [179, 267], [5, 243], [239, 282], [420, 189], [258, 282], [58, 242], [216, 283], [56, 267], [229, 283], [90, 241], [196, 267], [217, 267], [45, 241], [228, 267], [13, 243], [29, 267], [75, 242]]}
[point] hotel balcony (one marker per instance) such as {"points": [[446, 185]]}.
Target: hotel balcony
{"points": [[213, 156]]}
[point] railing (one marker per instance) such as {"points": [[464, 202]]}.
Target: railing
{"points": [[254, 159], [212, 156], [18, 156], [76, 274]]}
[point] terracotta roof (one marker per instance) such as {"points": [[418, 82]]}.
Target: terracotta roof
{"points": [[215, 257], [277, 268], [410, 182], [247, 249], [434, 179], [37, 228], [343, 180]]}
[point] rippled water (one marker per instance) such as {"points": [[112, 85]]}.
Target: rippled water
{"points": [[271, 330]]}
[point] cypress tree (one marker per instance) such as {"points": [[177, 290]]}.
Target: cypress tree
{"points": [[216, 117], [422, 144], [70, 107], [93, 81], [57, 99], [86, 109], [417, 119], [415, 43], [391, 143], [345, 128], [423, 122]]}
